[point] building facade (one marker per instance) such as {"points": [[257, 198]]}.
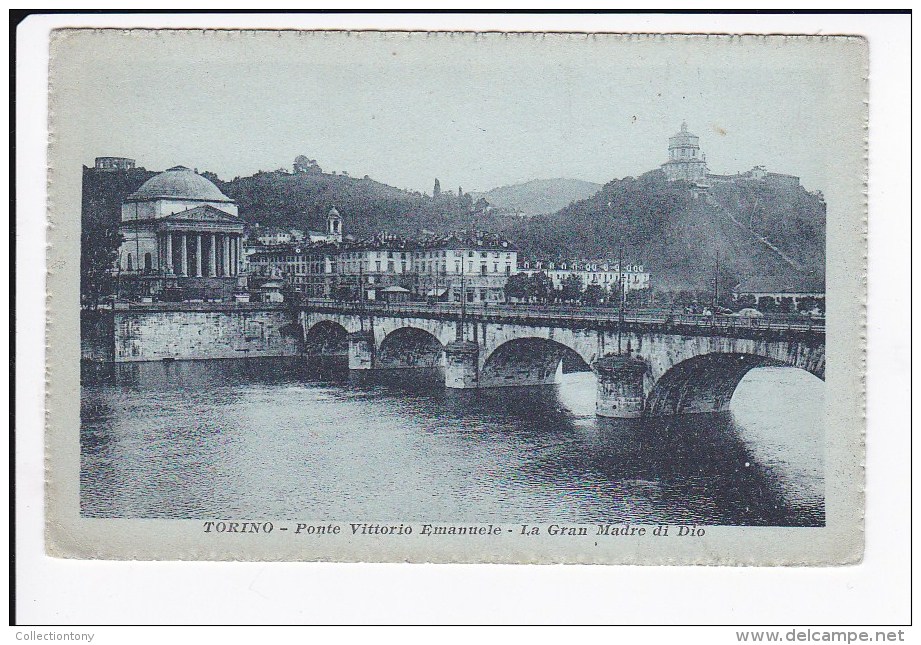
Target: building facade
{"points": [[792, 291], [602, 273], [114, 163], [182, 240], [392, 267], [685, 159], [478, 263], [366, 267], [307, 269]]}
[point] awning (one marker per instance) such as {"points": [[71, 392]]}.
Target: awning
{"points": [[436, 292]]}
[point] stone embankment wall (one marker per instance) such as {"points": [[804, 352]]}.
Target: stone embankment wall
{"points": [[208, 331]]}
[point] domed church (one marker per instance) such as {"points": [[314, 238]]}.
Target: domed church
{"points": [[183, 240], [685, 160]]}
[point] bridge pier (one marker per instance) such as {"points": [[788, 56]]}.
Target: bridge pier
{"points": [[621, 387], [361, 350], [462, 360]]}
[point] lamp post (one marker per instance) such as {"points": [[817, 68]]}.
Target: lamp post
{"points": [[621, 297]]}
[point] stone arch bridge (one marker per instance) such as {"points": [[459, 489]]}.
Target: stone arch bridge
{"points": [[652, 365]]}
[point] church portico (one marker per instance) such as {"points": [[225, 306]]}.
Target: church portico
{"points": [[178, 250]]}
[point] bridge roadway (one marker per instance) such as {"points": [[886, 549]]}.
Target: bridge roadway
{"points": [[650, 362]]}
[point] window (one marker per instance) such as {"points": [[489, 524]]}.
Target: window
{"points": [[148, 262], [130, 265], [495, 267], [378, 265], [482, 269], [390, 266], [508, 269]]}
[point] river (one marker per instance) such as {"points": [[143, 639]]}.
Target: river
{"points": [[286, 439]]}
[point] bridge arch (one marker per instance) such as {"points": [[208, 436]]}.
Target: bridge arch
{"points": [[410, 347], [705, 383], [529, 360], [326, 338]]}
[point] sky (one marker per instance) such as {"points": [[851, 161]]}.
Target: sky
{"points": [[476, 111]]}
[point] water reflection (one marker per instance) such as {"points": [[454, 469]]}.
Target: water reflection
{"points": [[287, 438]]}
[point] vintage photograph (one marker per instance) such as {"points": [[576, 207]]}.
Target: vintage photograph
{"points": [[364, 284]]}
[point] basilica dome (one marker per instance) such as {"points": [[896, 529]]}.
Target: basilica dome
{"points": [[178, 183]]}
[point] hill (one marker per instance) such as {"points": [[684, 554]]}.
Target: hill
{"points": [[104, 192], [302, 200], [758, 229], [540, 196]]}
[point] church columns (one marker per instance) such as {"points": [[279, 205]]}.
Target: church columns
{"points": [[212, 255], [200, 255], [183, 255], [198, 266], [169, 253]]}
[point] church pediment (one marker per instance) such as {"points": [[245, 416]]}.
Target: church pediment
{"points": [[204, 213]]}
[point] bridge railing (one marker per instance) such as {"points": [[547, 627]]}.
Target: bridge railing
{"points": [[561, 313]]}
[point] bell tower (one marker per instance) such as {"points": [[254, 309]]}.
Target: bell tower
{"points": [[334, 225]]}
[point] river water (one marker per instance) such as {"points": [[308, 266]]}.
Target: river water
{"points": [[284, 439]]}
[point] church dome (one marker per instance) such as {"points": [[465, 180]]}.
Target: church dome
{"points": [[178, 183], [683, 138]]}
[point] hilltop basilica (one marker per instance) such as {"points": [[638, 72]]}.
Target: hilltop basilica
{"points": [[686, 162]]}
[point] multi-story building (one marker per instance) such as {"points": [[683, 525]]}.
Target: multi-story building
{"points": [[376, 263], [480, 263], [603, 273], [306, 266], [274, 236], [433, 268], [307, 269]]}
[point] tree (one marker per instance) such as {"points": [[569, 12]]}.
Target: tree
{"points": [[212, 177], [806, 304], [304, 165], [571, 290], [436, 192], [594, 294], [637, 298], [98, 253], [746, 300], [541, 287], [518, 287], [767, 304]]}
